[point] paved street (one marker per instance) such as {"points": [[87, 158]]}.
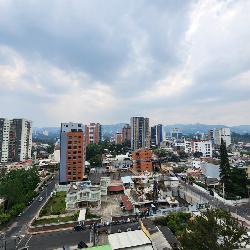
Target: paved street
{"points": [[242, 210], [19, 226], [52, 240]]}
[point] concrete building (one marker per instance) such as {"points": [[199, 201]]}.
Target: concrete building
{"points": [[83, 194], [140, 134], [133, 240], [4, 139], [205, 147], [142, 160], [175, 133], [222, 133], [118, 138], [72, 152], [56, 154], [126, 133], [15, 140], [93, 133], [188, 146], [211, 135], [156, 135]]}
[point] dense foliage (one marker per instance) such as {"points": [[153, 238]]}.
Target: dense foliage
{"points": [[234, 179], [166, 156], [215, 229], [176, 222], [17, 187], [240, 138], [94, 151]]}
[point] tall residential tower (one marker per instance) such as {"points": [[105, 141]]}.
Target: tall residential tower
{"points": [[93, 133], [156, 135], [222, 133], [126, 133], [15, 140], [140, 134], [72, 152]]}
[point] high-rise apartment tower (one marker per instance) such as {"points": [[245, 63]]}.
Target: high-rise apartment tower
{"points": [[15, 140], [140, 134], [72, 152], [93, 133]]}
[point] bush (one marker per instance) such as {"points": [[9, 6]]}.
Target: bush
{"points": [[176, 221], [4, 217]]}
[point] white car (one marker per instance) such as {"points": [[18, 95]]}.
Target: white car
{"points": [[41, 198]]}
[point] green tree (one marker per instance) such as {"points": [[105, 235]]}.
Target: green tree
{"points": [[215, 229], [197, 154], [239, 182], [4, 217], [176, 222], [225, 168], [18, 186], [160, 152]]}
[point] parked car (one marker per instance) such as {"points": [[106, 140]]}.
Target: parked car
{"points": [[78, 228], [40, 198]]}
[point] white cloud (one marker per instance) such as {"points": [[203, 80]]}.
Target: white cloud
{"points": [[173, 61]]}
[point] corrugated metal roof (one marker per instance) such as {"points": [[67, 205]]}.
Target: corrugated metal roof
{"points": [[128, 239]]}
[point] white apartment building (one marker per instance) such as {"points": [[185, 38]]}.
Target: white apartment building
{"points": [[222, 133], [4, 139], [188, 146], [15, 140], [205, 147]]}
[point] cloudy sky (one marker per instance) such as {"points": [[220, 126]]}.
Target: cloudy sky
{"points": [[175, 61]]}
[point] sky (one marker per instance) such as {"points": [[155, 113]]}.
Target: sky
{"points": [[173, 61]]}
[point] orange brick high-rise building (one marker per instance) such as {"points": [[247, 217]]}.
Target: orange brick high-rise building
{"points": [[142, 160], [72, 152]]}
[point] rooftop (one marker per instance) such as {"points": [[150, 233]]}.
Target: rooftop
{"points": [[129, 239]]}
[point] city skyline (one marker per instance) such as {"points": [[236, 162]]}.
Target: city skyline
{"points": [[174, 62]]}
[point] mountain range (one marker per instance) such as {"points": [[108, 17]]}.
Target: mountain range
{"points": [[185, 128]]}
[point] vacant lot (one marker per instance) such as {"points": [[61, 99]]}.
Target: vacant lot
{"points": [[55, 206]]}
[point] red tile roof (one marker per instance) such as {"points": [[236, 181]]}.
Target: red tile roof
{"points": [[115, 188], [127, 203]]}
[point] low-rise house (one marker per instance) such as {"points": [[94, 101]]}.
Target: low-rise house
{"points": [[116, 187], [127, 182], [171, 181], [157, 238], [133, 240], [104, 183], [84, 194]]}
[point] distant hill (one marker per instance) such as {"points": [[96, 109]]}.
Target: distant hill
{"points": [[111, 129], [203, 128]]}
